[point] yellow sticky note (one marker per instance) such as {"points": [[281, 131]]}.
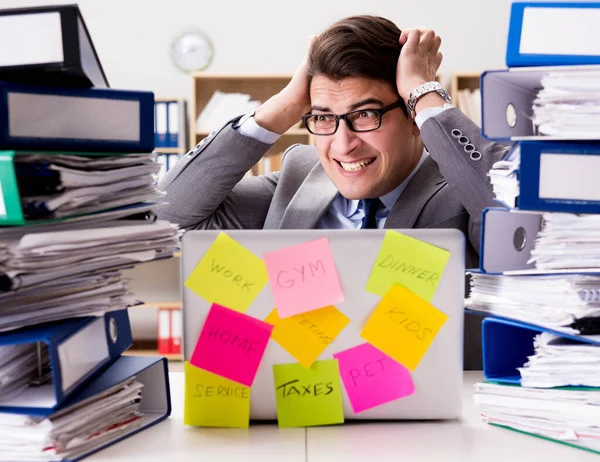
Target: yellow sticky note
{"points": [[228, 274], [411, 262], [214, 401], [403, 326], [305, 336], [308, 397]]}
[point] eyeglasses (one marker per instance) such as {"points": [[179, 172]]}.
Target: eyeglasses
{"points": [[362, 120]]}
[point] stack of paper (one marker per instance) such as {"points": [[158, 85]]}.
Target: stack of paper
{"points": [[554, 301], [56, 275], [568, 415], [54, 186], [19, 366], [567, 241], [72, 430], [505, 180], [560, 361], [569, 104]]}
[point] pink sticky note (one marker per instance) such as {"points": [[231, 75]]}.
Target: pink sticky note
{"points": [[303, 277], [231, 344], [372, 378]]}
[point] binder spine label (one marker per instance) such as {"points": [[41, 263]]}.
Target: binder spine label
{"points": [[83, 352]]}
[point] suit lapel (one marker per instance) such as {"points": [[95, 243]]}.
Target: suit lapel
{"points": [[427, 181], [310, 202]]}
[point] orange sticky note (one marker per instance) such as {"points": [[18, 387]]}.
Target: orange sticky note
{"points": [[305, 336], [403, 326], [228, 274]]}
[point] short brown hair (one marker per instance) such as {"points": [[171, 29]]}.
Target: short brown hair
{"points": [[357, 46]]}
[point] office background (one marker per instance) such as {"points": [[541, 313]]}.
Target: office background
{"points": [[267, 37], [132, 37]]}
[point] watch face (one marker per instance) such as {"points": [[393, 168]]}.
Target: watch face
{"points": [[192, 51]]}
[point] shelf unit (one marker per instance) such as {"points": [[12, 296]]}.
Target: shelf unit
{"points": [[465, 81], [183, 125], [140, 352], [259, 86]]}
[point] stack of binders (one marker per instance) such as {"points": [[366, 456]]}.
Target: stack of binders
{"points": [[539, 276], [77, 205]]}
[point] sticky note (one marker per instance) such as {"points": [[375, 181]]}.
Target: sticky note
{"points": [[303, 277], [371, 378], [410, 262], [231, 344], [308, 397], [228, 274], [305, 336], [403, 325], [213, 401]]}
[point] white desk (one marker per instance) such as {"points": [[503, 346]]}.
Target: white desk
{"points": [[461, 440]]}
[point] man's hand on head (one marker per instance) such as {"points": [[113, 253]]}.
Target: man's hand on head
{"points": [[419, 59]]}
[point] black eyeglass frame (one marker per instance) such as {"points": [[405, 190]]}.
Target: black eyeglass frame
{"points": [[344, 117]]}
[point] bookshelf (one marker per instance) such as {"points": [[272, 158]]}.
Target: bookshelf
{"points": [[464, 91], [260, 87]]}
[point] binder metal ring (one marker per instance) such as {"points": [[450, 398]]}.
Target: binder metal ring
{"points": [[519, 238], [456, 133], [469, 147], [113, 330], [463, 140]]}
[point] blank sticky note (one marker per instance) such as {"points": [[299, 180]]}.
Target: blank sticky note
{"points": [[305, 336], [410, 262], [371, 378], [228, 274], [303, 277], [213, 401], [308, 397], [231, 344], [403, 325]]}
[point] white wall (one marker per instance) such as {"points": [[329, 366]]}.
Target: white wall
{"points": [[132, 37]]}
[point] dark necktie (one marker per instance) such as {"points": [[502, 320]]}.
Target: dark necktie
{"points": [[370, 207]]}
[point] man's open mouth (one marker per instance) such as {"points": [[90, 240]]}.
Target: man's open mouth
{"points": [[356, 166]]}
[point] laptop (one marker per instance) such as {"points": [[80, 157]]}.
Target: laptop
{"points": [[438, 377]]}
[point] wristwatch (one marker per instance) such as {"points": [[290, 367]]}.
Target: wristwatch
{"points": [[422, 90]]}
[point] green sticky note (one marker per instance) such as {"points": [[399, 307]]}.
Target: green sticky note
{"points": [[410, 262], [229, 274], [308, 397], [214, 401]]}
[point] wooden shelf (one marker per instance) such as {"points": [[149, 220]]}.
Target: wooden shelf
{"points": [[260, 87], [291, 132], [163, 305], [170, 357], [170, 150]]}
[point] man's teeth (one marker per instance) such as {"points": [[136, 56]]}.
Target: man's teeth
{"points": [[356, 166]]}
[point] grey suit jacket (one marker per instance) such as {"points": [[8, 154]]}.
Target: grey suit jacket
{"points": [[206, 190]]}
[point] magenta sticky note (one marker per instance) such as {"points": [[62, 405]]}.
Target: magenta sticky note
{"points": [[303, 277], [372, 378], [231, 344]]}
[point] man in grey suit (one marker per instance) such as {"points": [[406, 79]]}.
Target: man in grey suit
{"points": [[390, 151]]}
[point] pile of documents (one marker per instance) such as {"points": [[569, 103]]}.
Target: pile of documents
{"points": [[568, 241], [560, 362], [75, 429], [570, 416], [566, 302], [62, 185], [504, 177], [77, 206], [568, 105]]}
